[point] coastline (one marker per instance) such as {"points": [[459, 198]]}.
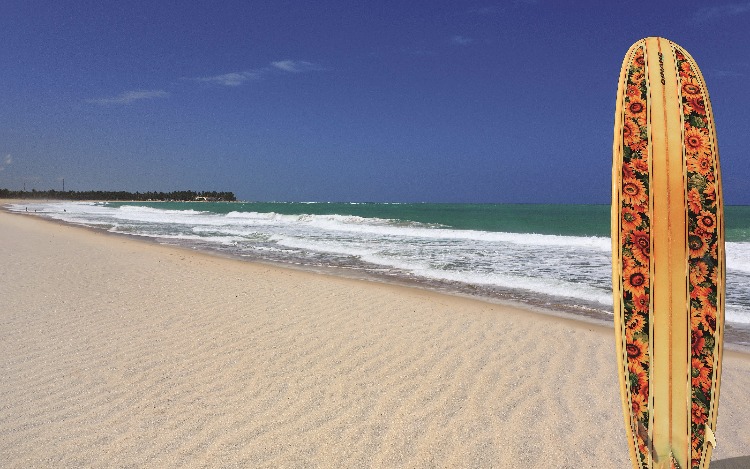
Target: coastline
{"points": [[736, 337], [122, 352]]}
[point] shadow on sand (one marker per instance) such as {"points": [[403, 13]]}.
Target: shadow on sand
{"points": [[742, 462]]}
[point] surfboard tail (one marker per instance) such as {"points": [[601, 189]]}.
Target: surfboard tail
{"points": [[710, 437]]}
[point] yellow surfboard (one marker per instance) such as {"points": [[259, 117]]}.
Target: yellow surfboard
{"points": [[668, 267]]}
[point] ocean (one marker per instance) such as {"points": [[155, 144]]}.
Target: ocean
{"points": [[553, 257]]}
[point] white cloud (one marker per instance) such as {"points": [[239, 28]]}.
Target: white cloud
{"points": [[7, 161], [487, 10], [128, 97], [240, 78], [496, 9], [721, 11], [418, 52], [461, 40], [233, 78], [296, 66], [724, 73]]}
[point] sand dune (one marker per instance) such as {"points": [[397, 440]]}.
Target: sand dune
{"points": [[121, 353]]}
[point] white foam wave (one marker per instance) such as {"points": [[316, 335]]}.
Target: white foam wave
{"points": [[737, 314], [224, 240], [738, 256], [398, 228], [443, 268]]}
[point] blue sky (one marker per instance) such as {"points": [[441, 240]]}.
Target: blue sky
{"points": [[436, 101]]}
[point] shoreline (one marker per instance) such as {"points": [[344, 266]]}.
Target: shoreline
{"points": [[598, 320], [120, 352], [736, 336]]}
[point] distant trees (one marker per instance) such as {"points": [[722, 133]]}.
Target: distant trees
{"points": [[119, 195]]}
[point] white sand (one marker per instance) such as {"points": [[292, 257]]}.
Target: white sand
{"points": [[121, 353]]}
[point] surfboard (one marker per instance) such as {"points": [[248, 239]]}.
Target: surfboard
{"points": [[668, 263]]}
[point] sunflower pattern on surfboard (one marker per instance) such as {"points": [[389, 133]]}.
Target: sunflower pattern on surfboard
{"points": [[703, 243], [636, 247], [676, 192]]}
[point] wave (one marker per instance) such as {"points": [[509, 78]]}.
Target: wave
{"points": [[408, 229], [444, 267], [738, 256]]}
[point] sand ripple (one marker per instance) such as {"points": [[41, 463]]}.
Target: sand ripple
{"points": [[115, 353]]}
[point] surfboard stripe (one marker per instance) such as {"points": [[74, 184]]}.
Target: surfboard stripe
{"points": [[668, 257], [669, 333], [633, 250], [706, 256]]}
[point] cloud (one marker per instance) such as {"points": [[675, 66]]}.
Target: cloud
{"points": [[7, 161], [724, 73], [128, 97], [296, 66], [721, 11], [418, 52], [461, 40], [232, 79], [488, 10], [240, 78], [497, 9]]}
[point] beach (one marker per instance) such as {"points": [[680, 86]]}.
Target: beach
{"points": [[116, 352]]}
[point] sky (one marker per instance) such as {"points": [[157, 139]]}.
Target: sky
{"points": [[384, 101]]}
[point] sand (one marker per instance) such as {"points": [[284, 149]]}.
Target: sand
{"points": [[116, 352]]}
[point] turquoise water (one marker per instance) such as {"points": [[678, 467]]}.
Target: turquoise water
{"points": [[566, 220], [551, 219], [737, 223]]}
